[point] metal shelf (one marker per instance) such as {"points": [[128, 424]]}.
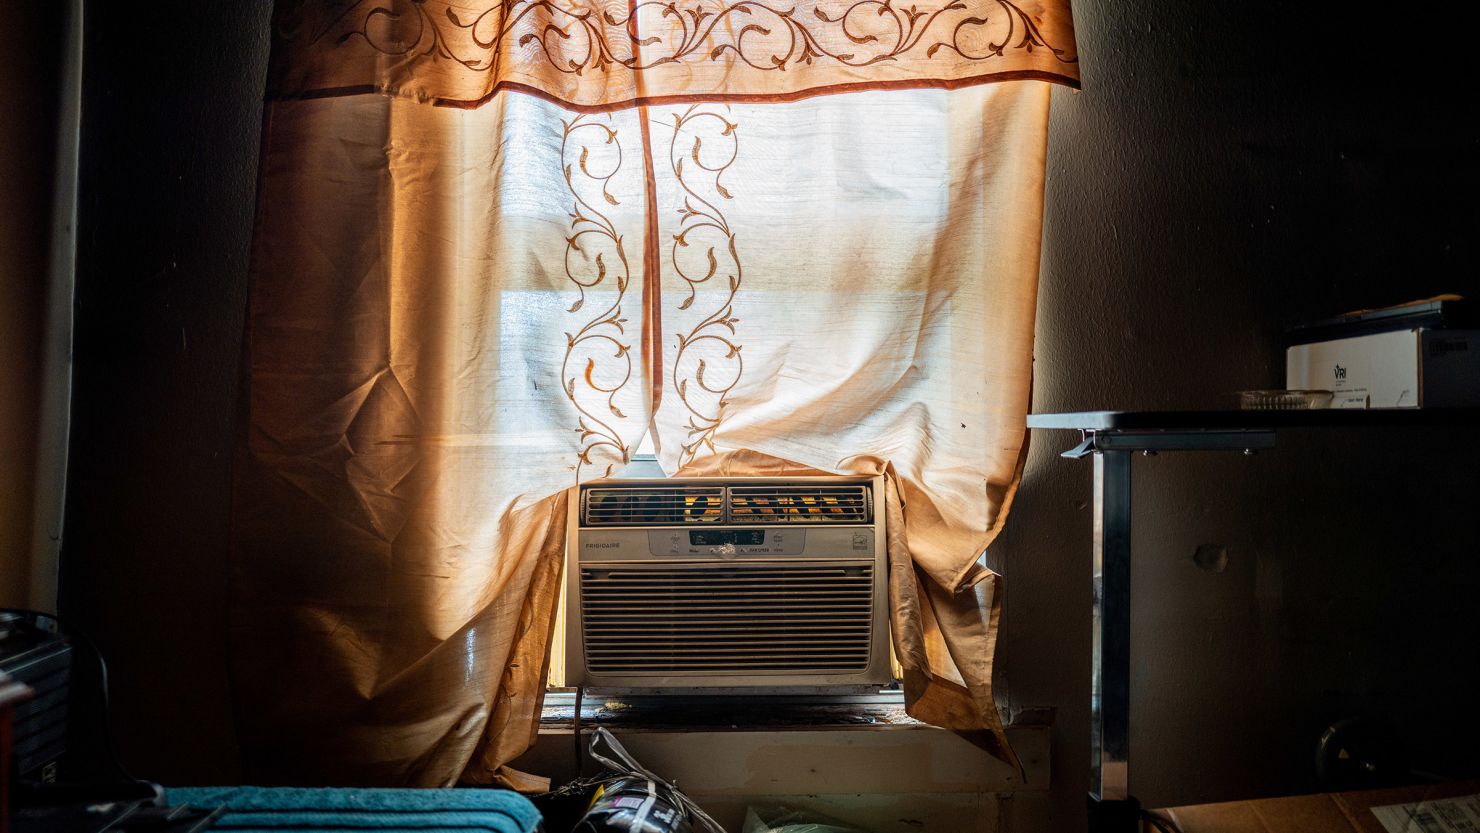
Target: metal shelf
{"points": [[1193, 421], [1112, 438]]}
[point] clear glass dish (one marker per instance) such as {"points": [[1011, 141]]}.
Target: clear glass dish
{"points": [[1283, 400]]}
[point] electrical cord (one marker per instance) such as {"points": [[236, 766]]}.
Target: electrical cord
{"points": [[1159, 823], [576, 729], [92, 647]]}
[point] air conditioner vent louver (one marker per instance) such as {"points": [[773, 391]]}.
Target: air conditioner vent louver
{"points": [[812, 617], [653, 506], [685, 505], [840, 504]]}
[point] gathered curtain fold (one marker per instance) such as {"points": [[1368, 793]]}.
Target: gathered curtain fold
{"points": [[767, 238]]}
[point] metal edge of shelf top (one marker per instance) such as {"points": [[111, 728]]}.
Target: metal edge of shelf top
{"points": [[1226, 420], [1443, 312]]}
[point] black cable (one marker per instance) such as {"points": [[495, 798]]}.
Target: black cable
{"points": [[107, 726], [1161, 824], [576, 730]]}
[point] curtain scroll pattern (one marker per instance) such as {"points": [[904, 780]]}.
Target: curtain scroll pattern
{"points": [[598, 355], [708, 364], [605, 53]]}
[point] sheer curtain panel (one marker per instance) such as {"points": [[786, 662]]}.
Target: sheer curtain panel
{"points": [[498, 244]]}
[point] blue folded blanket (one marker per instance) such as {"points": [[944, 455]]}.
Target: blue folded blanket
{"points": [[347, 809]]}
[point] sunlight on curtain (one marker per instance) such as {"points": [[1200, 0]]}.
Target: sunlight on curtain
{"points": [[886, 281], [458, 312]]}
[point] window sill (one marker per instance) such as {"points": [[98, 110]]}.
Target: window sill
{"points": [[880, 710], [791, 746]]}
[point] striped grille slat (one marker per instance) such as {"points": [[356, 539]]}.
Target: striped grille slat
{"points": [[712, 644], [787, 616], [754, 619], [686, 607], [720, 630], [843, 503], [727, 666], [688, 583], [837, 504], [599, 602], [653, 505]]}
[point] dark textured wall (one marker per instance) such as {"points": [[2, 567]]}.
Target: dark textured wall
{"points": [[172, 105], [1230, 169], [29, 97]]}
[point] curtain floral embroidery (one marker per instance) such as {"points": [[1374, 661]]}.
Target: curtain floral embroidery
{"points": [[498, 244], [593, 54]]}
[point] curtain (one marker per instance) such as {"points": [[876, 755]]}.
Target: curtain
{"points": [[499, 244]]}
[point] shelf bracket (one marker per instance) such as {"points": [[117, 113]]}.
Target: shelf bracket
{"points": [[1232, 439]]}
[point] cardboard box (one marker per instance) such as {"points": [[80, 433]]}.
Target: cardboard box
{"points": [[1436, 808], [1409, 368]]}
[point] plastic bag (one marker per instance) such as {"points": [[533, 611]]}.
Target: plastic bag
{"points": [[635, 800], [634, 805]]}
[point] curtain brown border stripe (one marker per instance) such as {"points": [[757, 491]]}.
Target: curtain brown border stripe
{"points": [[652, 292], [694, 98]]}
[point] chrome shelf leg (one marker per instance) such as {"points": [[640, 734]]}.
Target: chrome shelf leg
{"points": [[1111, 806]]}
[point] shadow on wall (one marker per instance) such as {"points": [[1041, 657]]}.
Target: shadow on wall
{"points": [[1227, 172], [31, 94]]}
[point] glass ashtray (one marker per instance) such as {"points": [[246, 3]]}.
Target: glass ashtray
{"points": [[1283, 400]]}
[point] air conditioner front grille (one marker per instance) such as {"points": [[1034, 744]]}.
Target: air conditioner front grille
{"points": [[718, 618], [653, 506], [840, 504]]}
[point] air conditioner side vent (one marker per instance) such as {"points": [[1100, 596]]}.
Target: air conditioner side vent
{"points": [[798, 504], [652, 505]]}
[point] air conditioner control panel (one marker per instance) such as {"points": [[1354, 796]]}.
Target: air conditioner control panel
{"points": [[722, 543], [726, 543]]}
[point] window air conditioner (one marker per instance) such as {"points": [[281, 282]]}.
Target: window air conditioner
{"points": [[727, 585]]}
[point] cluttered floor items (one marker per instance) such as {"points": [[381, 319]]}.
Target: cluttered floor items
{"points": [[629, 798]]}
